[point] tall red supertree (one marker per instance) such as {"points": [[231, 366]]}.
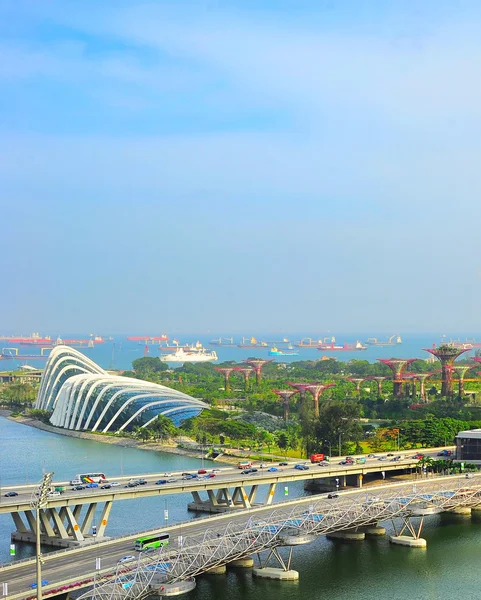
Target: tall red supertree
{"points": [[357, 382], [461, 371], [446, 354], [378, 381], [301, 388], [226, 371], [316, 390], [257, 364], [246, 372], [286, 395], [397, 366]]}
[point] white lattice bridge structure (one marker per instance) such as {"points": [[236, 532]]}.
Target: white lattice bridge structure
{"points": [[172, 569]]}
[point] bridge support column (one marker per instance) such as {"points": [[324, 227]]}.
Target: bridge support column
{"points": [[60, 526], [216, 570], [349, 535], [285, 573], [270, 493], [414, 540], [223, 501], [461, 510], [243, 563], [359, 480], [374, 530]]}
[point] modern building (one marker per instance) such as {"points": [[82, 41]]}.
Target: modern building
{"points": [[468, 446], [82, 396]]}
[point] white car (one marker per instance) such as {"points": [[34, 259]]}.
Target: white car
{"points": [[54, 493], [114, 484], [127, 558]]}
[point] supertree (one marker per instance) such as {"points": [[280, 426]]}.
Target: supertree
{"points": [[357, 382], [378, 379], [246, 372], [286, 395], [226, 371], [446, 354], [257, 364], [461, 371], [421, 377], [301, 388], [316, 390], [397, 366]]}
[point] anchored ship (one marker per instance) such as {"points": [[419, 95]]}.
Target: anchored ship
{"points": [[390, 342], [183, 355], [274, 351], [344, 348]]}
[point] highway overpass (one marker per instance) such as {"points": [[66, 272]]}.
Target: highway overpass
{"points": [[199, 545]]}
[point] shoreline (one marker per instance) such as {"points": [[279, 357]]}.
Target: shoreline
{"points": [[122, 442]]}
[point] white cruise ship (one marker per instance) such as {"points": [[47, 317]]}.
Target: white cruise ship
{"points": [[183, 355]]}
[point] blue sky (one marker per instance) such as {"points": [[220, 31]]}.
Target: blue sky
{"points": [[240, 166]]}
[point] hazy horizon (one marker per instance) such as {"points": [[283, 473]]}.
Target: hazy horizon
{"points": [[240, 166]]}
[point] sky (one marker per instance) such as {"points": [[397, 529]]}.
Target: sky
{"points": [[228, 166]]}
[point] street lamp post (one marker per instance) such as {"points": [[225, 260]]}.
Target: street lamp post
{"points": [[340, 447], [40, 502]]}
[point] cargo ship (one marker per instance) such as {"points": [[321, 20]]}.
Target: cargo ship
{"points": [[252, 343], [344, 348], [308, 343], [222, 342], [147, 338], [390, 342]]}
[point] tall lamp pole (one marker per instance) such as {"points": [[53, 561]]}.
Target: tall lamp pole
{"points": [[39, 502]]}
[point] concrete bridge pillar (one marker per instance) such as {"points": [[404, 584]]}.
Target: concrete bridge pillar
{"points": [[461, 510], [243, 563]]}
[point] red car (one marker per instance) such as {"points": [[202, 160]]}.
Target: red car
{"points": [[418, 456], [201, 471]]}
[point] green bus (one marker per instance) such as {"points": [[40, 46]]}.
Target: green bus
{"points": [[152, 541]]}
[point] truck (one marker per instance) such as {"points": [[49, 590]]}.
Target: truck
{"points": [[244, 465], [317, 458]]}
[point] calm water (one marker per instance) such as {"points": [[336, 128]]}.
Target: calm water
{"points": [[449, 569], [120, 352]]}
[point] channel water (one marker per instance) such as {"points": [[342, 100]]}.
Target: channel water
{"points": [[449, 569]]}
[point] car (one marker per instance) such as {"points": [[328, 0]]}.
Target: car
{"points": [[77, 488], [272, 469], [210, 475], [283, 464], [262, 466], [105, 486], [215, 470], [332, 496], [418, 456], [53, 494], [11, 494], [160, 481], [389, 454], [142, 481], [92, 485], [371, 456], [34, 585], [171, 480], [445, 453], [382, 458], [114, 484], [323, 463], [127, 558], [185, 474], [201, 472], [132, 484], [246, 472], [301, 467]]}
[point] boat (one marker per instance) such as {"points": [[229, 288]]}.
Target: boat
{"points": [[181, 355], [308, 343], [274, 351], [344, 348], [222, 342], [147, 338], [390, 342], [252, 343]]}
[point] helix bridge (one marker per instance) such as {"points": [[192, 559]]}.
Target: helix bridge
{"points": [[171, 570]]}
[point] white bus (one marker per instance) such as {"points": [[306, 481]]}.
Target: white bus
{"points": [[83, 478]]}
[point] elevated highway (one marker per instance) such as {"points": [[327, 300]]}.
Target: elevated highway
{"points": [[68, 519], [202, 544]]}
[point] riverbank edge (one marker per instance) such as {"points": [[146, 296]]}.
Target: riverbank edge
{"points": [[122, 442]]}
